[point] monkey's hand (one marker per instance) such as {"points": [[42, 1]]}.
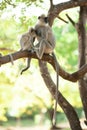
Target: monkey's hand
{"points": [[31, 50], [38, 33]]}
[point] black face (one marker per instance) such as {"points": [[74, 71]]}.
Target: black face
{"points": [[46, 19]]}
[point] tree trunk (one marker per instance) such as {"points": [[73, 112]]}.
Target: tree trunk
{"points": [[65, 105], [82, 37]]}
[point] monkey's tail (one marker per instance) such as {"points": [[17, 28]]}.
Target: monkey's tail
{"points": [[57, 90], [11, 58], [28, 65]]}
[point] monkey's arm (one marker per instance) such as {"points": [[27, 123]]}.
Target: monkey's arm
{"points": [[23, 41], [38, 32], [33, 39], [41, 31]]}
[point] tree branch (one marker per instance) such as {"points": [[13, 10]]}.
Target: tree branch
{"points": [[70, 4], [62, 19], [72, 22], [6, 49], [48, 58], [51, 3]]}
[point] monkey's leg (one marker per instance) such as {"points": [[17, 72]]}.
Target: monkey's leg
{"points": [[41, 49], [27, 46], [28, 65]]}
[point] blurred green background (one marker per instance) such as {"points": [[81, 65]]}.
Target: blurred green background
{"points": [[26, 96]]}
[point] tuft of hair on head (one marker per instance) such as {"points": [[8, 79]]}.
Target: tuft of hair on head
{"points": [[42, 16]]}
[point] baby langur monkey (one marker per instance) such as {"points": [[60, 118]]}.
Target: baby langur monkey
{"points": [[26, 42], [46, 44], [27, 39]]}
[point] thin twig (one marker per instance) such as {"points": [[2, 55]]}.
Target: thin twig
{"points": [[73, 23], [51, 3], [62, 19]]}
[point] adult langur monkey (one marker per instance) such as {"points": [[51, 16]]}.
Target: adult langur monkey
{"points": [[26, 42], [46, 44]]}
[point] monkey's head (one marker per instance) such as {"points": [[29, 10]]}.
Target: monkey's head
{"points": [[42, 18], [32, 32]]}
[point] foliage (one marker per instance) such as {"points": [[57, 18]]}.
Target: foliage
{"points": [[5, 99], [68, 33], [6, 3], [67, 42]]}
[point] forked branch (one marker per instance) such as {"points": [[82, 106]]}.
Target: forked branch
{"points": [[56, 9]]}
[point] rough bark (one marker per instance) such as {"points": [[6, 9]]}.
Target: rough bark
{"points": [[82, 37]]}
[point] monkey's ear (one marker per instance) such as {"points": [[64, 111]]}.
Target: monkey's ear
{"points": [[46, 19], [32, 30], [39, 17]]}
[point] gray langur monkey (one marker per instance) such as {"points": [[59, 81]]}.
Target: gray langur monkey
{"points": [[44, 36], [46, 44], [27, 39], [26, 42]]}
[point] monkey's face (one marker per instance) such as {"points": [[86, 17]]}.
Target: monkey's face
{"points": [[43, 19], [32, 32]]}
